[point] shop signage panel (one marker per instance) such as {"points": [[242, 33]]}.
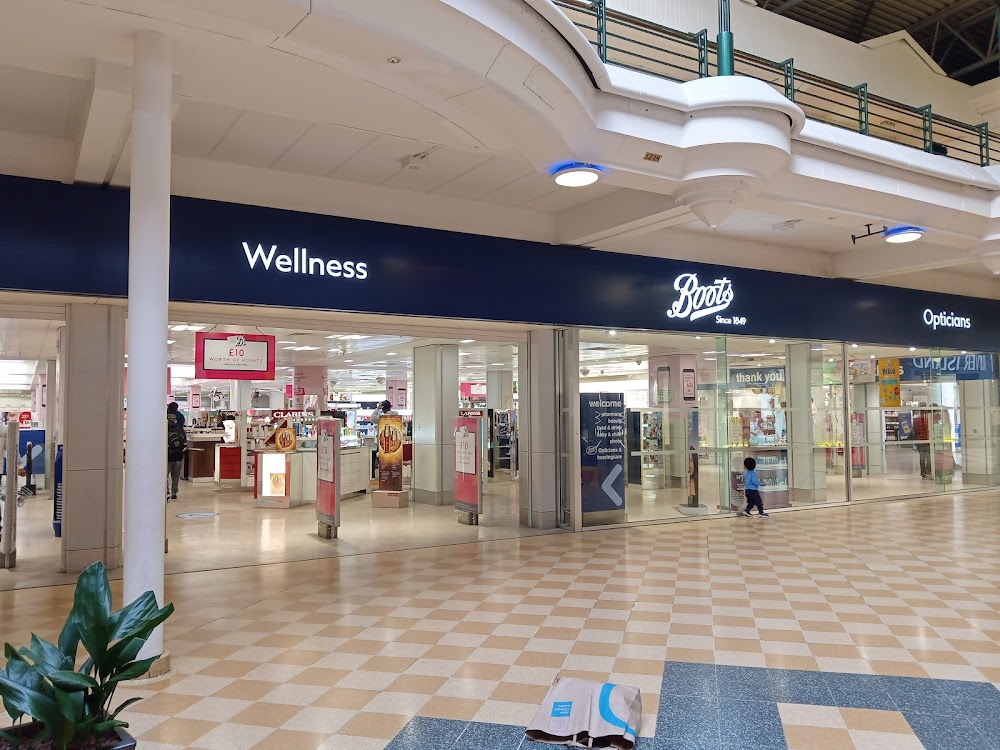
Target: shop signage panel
{"points": [[327, 456], [602, 451], [390, 453], [234, 356], [468, 465], [263, 256], [959, 366], [757, 377], [888, 378]]}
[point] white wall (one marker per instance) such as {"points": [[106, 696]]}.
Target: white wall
{"points": [[894, 70]]}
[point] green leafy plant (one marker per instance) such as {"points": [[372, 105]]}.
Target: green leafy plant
{"points": [[70, 704]]}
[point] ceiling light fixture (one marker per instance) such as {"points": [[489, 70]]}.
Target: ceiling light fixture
{"points": [[772, 341], [348, 360], [904, 234], [913, 348], [576, 174], [612, 333], [895, 235], [854, 346], [467, 341], [288, 342], [391, 354], [393, 60]]}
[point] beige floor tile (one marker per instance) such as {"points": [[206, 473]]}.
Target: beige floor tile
{"points": [[818, 738], [177, 731], [345, 698], [318, 676], [877, 721], [285, 739], [367, 724], [271, 715]]}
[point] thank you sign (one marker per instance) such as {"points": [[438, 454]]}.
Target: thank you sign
{"points": [[602, 451]]}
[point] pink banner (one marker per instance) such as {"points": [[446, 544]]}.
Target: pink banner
{"points": [[327, 449], [468, 464]]}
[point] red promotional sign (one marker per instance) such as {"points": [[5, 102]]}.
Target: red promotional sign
{"points": [[234, 356], [468, 464], [24, 419]]}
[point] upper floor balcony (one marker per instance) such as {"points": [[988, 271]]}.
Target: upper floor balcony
{"points": [[627, 41]]}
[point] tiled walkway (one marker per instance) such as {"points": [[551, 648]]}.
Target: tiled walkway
{"points": [[863, 627]]}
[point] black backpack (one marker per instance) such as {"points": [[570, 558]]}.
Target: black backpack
{"points": [[176, 443]]}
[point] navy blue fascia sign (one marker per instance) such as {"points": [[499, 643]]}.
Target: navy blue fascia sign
{"points": [[74, 240]]}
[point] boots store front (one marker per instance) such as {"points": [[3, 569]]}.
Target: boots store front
{"points": [[643, 383]]}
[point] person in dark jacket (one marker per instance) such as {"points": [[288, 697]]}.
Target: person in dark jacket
{"points": [[176, 448]]}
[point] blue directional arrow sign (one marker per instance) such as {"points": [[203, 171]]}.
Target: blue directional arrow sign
{"points": [[602, 451]]}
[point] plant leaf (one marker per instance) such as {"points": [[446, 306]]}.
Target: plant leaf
{"points": [[125, 651], [133, 671], [92, 611], [30, 702], [23, 674], [46, 656], [73, 681], [69, 638], [139, 618], [123, 706]]}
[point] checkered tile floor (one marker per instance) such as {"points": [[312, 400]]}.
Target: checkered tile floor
{"points": [[343, 653]]}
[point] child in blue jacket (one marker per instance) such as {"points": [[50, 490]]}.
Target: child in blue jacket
{"points": [[751, 483]]}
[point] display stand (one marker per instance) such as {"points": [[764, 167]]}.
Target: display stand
{"points": [[470, 444], [391, 437], [328, 477]]}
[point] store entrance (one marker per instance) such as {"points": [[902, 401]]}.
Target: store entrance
{"points": [[243, 501], [233, 509]]}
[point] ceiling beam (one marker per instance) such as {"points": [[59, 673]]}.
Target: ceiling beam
{"points": [[864, 21], [787, 5], [941, 15], [975, 66], [879, 260], [958, 35]]}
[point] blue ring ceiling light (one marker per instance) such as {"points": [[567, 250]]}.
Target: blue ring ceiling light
{"points": [[576, 174], [900, 235]]}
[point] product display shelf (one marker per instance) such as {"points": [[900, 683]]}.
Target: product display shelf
{"points": [[772, 468], [651, 449]]}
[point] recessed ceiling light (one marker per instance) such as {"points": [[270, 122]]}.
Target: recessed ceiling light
{"points": [[169, 342], [872, 356], [913, 348], [697, 338], [576, 174], [963, 352], [288, 342], [612, 333], [854, 346], [467, 341], [393, 60], [772, 341], [496, 364], [900, 235], [391, 354], [348, 360]]}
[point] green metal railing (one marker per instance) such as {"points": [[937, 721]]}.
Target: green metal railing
{"points": [[634, 43]]}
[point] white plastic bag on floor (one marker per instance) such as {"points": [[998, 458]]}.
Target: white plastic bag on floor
{"points": [[583, 713]]}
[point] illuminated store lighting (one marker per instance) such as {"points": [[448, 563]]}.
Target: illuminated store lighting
{"points": [[576, 174], [900, 235]]}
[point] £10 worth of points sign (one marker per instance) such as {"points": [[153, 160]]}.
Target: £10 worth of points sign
{"points": [[234, 356]]}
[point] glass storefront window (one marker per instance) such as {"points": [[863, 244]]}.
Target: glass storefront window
{"points": [[825, 422]]}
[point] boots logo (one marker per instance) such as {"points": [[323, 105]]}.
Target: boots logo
{"points": [[695, 301]]}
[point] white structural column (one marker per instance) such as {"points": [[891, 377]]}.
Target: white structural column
{"points": [[240, 395], [92, 364], [500, 389], [148, 275], [435, 407], [542, 420], [807, 474]]}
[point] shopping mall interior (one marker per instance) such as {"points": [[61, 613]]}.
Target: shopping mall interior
{"points": [[467, 330]]}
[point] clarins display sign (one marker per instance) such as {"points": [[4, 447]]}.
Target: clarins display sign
{"points": [[235, 254]]}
